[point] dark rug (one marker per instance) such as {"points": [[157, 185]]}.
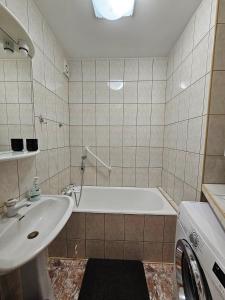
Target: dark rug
{"points": [[106, 279]]}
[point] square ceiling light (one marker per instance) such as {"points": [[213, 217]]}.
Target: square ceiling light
{"points": [[113, 9]]}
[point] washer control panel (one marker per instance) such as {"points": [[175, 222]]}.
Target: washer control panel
{"points": [[221, 278]]}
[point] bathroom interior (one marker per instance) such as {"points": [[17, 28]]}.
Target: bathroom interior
{"points": [[112, 142]]}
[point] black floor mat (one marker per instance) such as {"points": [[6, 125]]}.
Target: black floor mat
{"points": [[106, 279]]}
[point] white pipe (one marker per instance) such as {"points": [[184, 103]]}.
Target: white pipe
{"points": [[98, 159]]}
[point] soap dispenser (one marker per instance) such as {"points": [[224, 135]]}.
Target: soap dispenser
{"points": [[35, 192]]}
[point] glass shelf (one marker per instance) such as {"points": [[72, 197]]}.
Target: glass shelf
{"points": [[13, 155]]}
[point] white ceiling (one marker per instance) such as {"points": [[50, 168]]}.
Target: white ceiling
{"points": [[152, 31]]}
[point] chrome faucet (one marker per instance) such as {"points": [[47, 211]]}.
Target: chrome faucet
{"points": [[12, 207], [67, 191]]}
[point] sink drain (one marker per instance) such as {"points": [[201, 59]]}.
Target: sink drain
{"points": [[33, 235]]}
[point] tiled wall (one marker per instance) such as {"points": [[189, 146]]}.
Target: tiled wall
{"points": [[50, 98], [16, 103], [187, 98], [215, 161], [125, 127], [149, 238]]}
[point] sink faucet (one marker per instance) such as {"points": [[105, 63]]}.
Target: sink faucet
{"points": [[12, 207]]}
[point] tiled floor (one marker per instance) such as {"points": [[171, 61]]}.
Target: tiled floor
{"points": [[67, 274]]}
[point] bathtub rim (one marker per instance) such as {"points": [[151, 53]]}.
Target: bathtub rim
{"points": [[171, 212]]}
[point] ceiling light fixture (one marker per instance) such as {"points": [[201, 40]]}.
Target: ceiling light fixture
{"points": [[113, 9], [115, 85]]}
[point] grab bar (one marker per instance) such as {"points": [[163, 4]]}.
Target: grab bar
{"points": [[98, 159]]}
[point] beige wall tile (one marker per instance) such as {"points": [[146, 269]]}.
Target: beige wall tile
{"points": [[58, 248], [26, 80], [217, 104], [153, 252], [76, 226], [219, 57], [54, 185], [133, 250], [95, 249], [95, 226], [27, 172], [122, 117], [128, 177], [114, 249], [134, 227], [221, 12], [170, 228], [76, 248], [9, 185], [168, 252], [114, 227], [142, 177], [103, 176], [153, 228], [187, 99], [45, 187], [214, 169], [216, 135]]}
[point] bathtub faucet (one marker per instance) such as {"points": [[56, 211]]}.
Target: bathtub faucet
{"points": [[68, 191]]}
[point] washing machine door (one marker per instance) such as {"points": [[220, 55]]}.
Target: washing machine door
{"points": [[191, 281]]}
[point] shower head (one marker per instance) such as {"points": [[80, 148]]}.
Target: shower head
{"points": [[83, 157]]}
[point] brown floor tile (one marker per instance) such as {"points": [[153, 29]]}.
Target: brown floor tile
{"points": [[67, 275]]}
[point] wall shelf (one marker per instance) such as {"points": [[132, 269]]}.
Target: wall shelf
{"points": [[12, 29], [10, 155]]}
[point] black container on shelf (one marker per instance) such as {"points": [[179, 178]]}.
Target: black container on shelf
{"points": [[32, 144], [17, 144]]}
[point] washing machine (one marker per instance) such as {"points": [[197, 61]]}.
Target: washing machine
{"points": [[200, 253]]}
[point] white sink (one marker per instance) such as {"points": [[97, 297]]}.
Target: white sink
{"points": [[46, 216]]}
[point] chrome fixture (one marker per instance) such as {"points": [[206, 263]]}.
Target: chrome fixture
{"points": [[186, 260], [67, 191], [23, 48], [13, 35], [8, 45], [115, 85], [79, 189], [12, 207], [87, 150], [73, 189], [42, 120]]}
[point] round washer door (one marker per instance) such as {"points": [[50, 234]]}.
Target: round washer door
{"points": [[191, 281]]}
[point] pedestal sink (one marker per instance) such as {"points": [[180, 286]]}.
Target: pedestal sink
{"points": [[24, 238]]}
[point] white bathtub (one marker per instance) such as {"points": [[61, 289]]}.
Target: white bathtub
{"points": [[145, 201]]}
